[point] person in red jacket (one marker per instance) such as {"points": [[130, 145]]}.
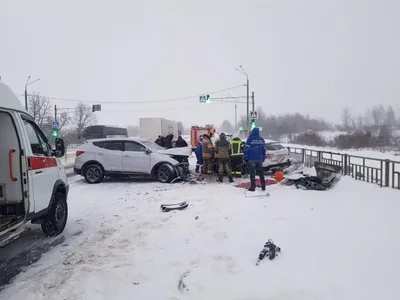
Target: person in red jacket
{"points": [[208, 154]]}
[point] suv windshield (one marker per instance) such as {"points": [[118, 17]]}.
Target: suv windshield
{"points": [[274, 146], [152, 145]]}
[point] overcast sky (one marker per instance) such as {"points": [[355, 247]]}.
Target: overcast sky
{"points": [[308, 56]]}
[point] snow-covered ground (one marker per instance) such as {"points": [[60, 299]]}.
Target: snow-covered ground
{"points": [[336, 244]]}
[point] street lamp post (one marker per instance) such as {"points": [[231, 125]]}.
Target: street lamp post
{"points": [[241, 70], [26, 91], [236, 101]]}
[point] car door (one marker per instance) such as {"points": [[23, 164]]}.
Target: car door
{"points": [[136, 159], [42, 168], [109, 155]]}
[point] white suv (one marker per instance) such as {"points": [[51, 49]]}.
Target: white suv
{"points": [[276, 156], [117, 157]]}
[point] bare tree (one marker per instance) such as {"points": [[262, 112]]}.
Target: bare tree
{"points": [[378, 115], [390, 119], [346, 118], [40, 109], [360, 122], [368, 117], [83, 117], [64, 119]]}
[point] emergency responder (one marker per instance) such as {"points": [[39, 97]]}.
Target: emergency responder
{"points": [[236, 151], [208, 153], [199, 156], [254, 155], [222, 154]]}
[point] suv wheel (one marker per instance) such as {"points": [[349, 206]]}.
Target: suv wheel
{"points": [[93, 174], [56, 219], [164, 174]]}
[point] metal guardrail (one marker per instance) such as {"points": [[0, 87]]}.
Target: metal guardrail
{"points": [[384, 172]]}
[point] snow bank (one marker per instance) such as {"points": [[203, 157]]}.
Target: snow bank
{"points": [[339, 244]]}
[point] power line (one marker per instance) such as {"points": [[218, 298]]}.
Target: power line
{"points": [[72, 110], [142, 101]]}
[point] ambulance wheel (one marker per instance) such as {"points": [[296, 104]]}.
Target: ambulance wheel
{"points": [[56, 219], [93, 174]]}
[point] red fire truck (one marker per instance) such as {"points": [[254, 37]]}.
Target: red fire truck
{"points": [[197, 131]]}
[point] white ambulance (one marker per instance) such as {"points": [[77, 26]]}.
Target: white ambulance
{"points": [[33, 183]]}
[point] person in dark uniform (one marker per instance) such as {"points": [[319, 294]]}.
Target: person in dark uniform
{"points": [[222, 154], [168, 141], [180, 142]]}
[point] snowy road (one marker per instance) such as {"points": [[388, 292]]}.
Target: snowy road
{"points": [[340, 244]]}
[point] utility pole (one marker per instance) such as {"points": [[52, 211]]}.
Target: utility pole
{"points": [[236, 102], [241, 70], [252, 98], [55, 112], [26, 94], [236, 116], [26, 91], [248, 104]]}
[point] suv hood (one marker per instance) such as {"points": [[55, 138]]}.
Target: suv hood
{"points": [[185, 151]]}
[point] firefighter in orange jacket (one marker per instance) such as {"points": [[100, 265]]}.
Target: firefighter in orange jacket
{"points": [[208, 153]]}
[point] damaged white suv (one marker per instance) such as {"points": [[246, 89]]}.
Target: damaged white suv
{"points": [[130, 157]]}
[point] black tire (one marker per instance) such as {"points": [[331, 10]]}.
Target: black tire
{"points": [[163, 174], [93, 173], [56, 219]]}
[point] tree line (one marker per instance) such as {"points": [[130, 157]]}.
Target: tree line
{"points": [[274, 127], [372, 118], [375, 128]]}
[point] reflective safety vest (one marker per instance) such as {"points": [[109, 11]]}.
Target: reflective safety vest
{"points": [[236, 147], [207, 148]]}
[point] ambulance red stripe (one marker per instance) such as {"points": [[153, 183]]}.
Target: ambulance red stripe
{"points": [[40, 162]]}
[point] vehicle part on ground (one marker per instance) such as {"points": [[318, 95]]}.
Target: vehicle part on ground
{"points": [[176, 206], [327, 176], [270, 250]]}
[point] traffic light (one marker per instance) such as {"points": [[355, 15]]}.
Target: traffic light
{"points": [[54, 133], [253, 124]]}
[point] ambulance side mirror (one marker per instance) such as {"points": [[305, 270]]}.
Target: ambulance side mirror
{"points": [[59, 150]]}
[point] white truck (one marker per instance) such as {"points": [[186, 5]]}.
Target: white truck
{"points": [[33, 182], [151, 128]]}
